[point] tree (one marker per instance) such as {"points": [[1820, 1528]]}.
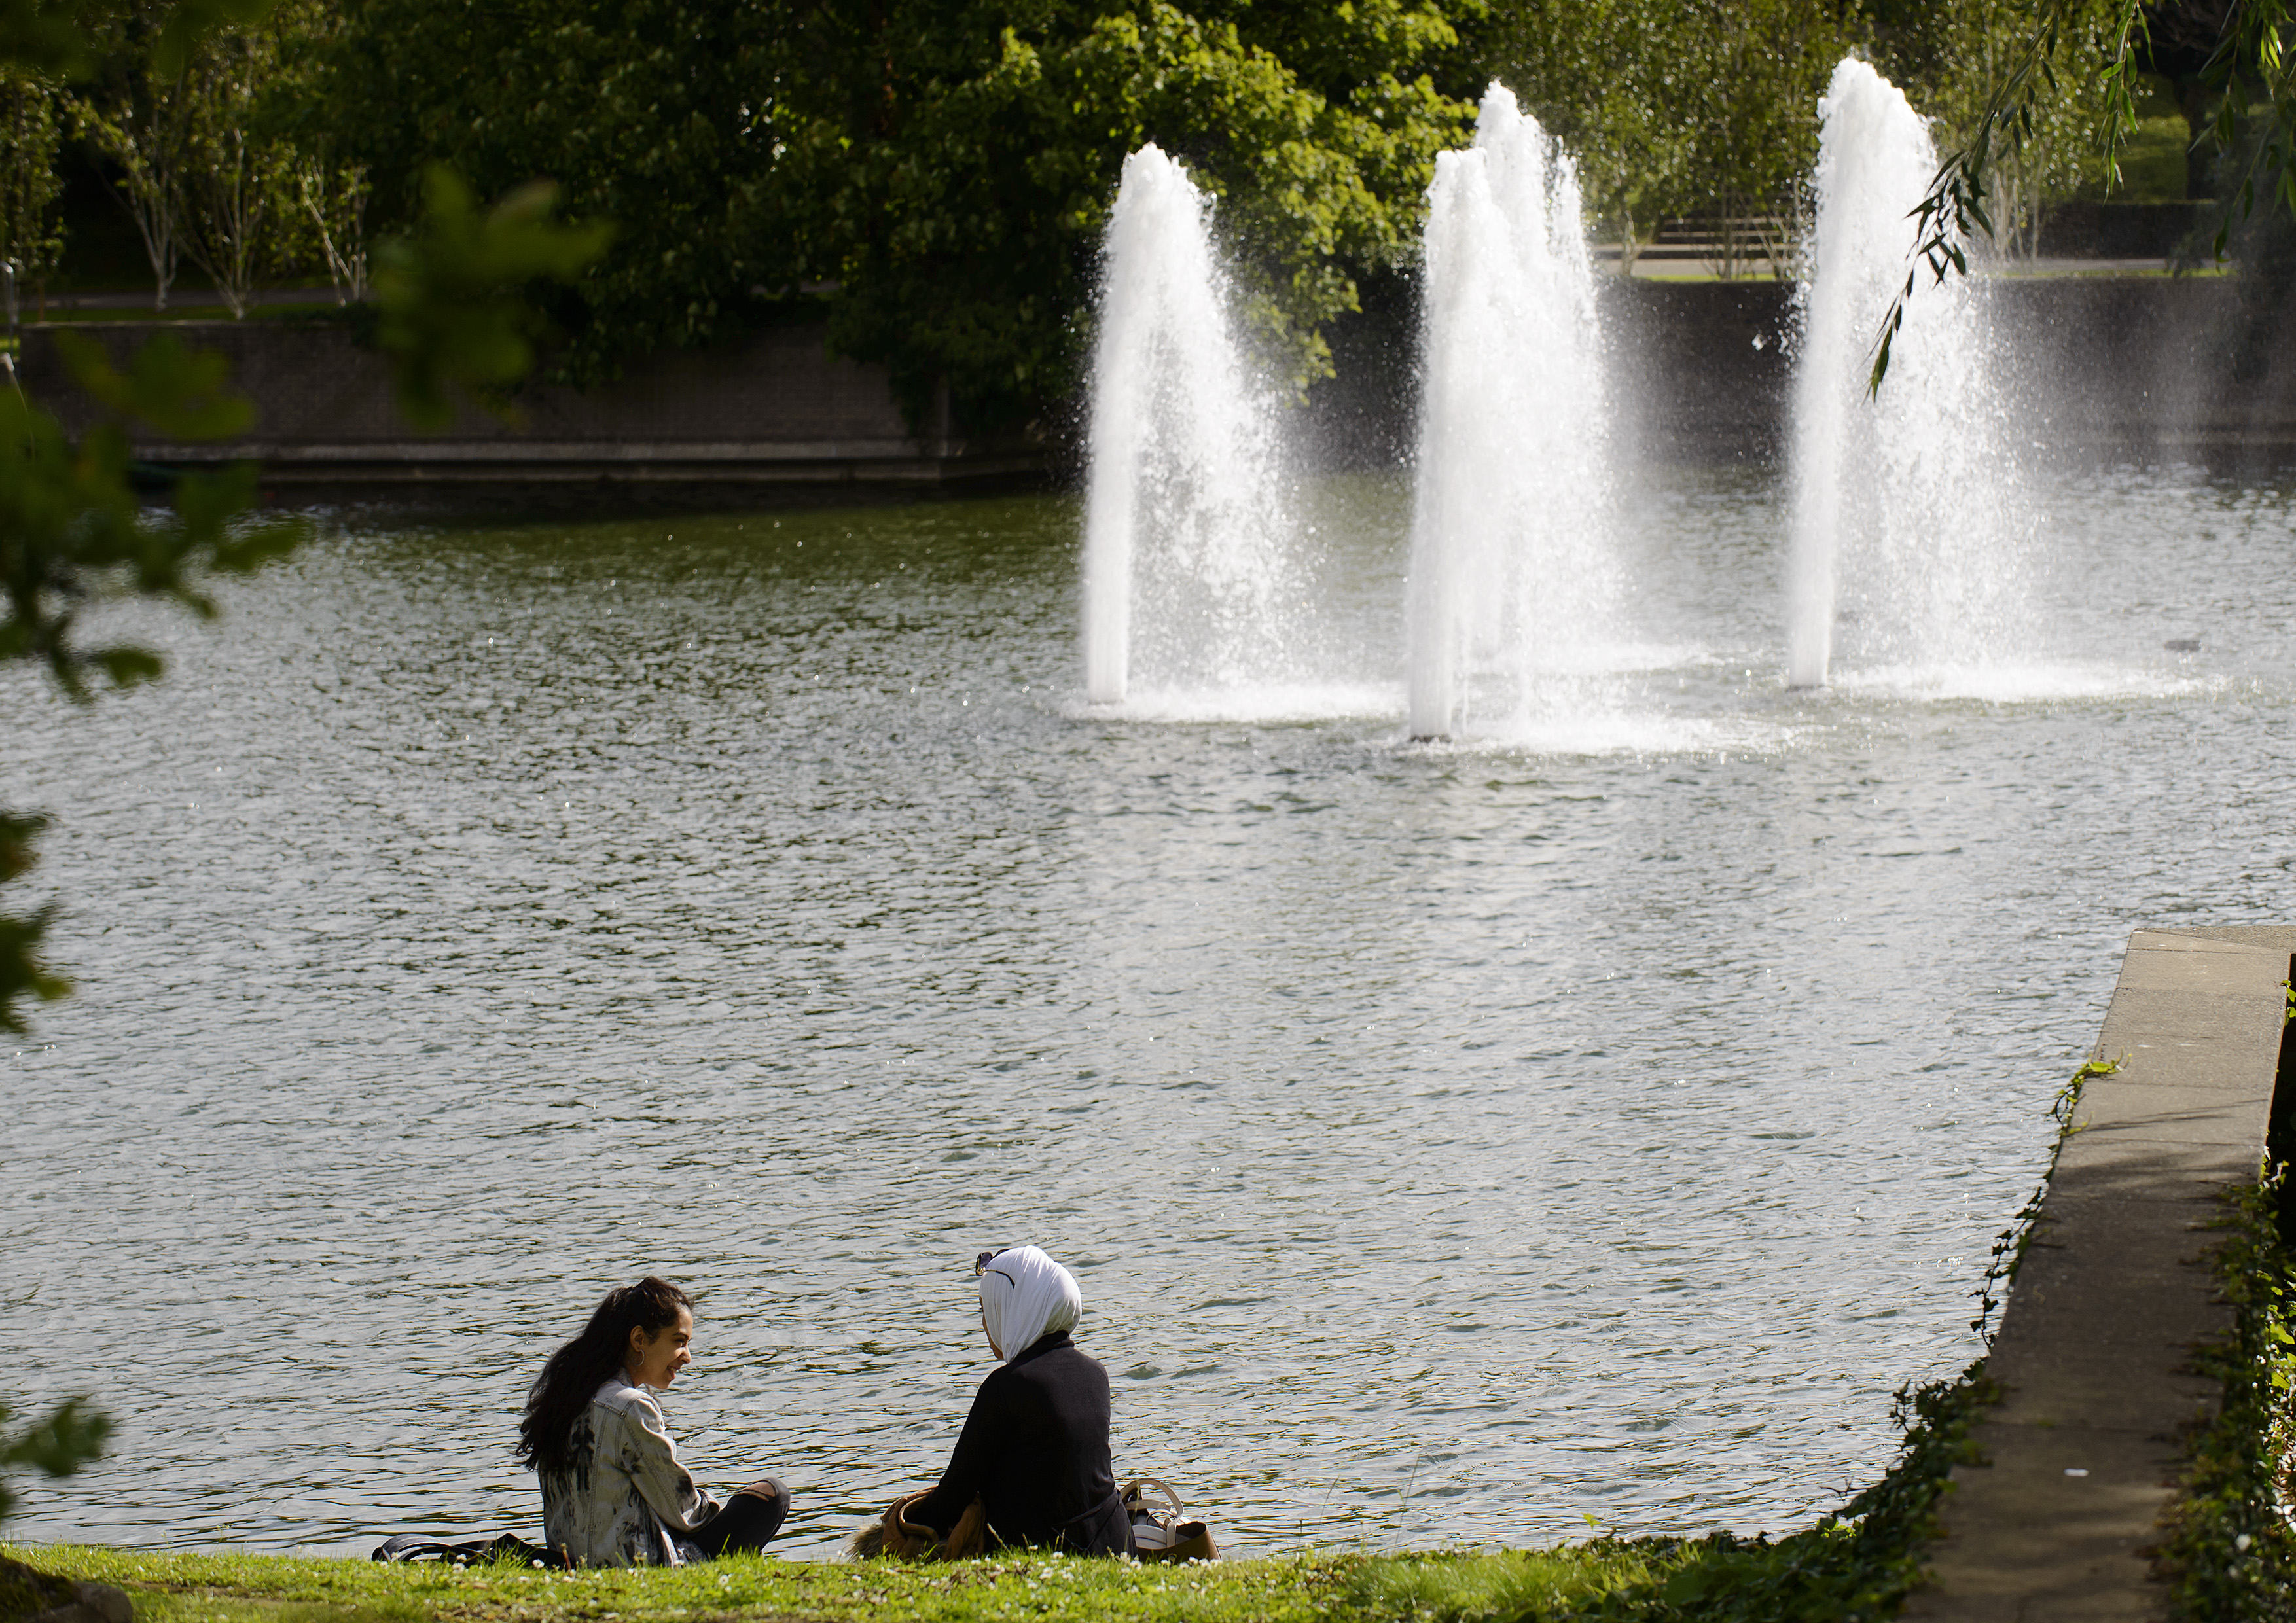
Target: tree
{"points": [[675, 118], [2250, 84], [937, 173], [983, 177], [241, 213], [140, 116], [74, 533], [57, 1444], [334, 199], [1949, 54], [1682, 107], [31, 236]]}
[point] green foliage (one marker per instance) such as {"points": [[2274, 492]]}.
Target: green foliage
{"points": [[1950, 57], [31, 233], [2010, 1245], [450, 316], [239, 219], [1859, 1564], [237, 1588], [196, 155], [58, 1443], [2251, 78], [685, 122], [944, 169], [22, 972], [73, 534], [2230, 1551], [1679, 107], [977, 187]]}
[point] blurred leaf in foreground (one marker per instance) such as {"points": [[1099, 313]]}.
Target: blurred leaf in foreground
{"points": [[452, 317], [75, 535], [58, 1443]]}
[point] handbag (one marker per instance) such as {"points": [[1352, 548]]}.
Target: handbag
{"points": [[1162, 1529], [894, 1534]]}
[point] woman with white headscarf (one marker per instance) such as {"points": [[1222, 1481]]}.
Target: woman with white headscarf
{"points": [[1035, 1448]]}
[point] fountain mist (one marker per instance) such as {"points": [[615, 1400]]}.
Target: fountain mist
{"points": [[1903, 532], [1510, 566], [1185, 560]]}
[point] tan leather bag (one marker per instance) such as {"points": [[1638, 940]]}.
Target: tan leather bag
{"points": [[894, 1534], [1161, 1529]]}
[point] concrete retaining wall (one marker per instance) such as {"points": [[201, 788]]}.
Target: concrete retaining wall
{"points": [[2113, 366], [2126, 367], [776, 409]]}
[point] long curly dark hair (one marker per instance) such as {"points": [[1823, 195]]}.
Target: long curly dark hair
{"points": [[547, 1439]]}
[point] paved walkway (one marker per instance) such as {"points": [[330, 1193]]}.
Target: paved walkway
{"points": [[2084, 1455]]}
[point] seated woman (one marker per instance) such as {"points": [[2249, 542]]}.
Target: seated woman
{"points": [[613, 1493], [1035, 1448]]}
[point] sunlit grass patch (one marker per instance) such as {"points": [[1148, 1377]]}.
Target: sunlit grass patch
{"points": [[226, 1588], [1500, 1586]]}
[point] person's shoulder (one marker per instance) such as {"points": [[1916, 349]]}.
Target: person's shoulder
{"points": [[1062, 1361], [621, 1397]]}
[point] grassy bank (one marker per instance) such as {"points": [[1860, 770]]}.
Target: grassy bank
{"points": [[1851, 1566], [1655, 1579]]}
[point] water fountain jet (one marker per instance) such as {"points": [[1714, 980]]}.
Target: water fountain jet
{"points": [[1903, 519], [1186, 568], [1511, 567]]}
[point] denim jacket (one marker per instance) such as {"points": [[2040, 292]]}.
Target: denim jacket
{"points": [[627, 1502]]}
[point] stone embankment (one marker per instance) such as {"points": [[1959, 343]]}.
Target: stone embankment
{"points": [[2114, 1293]]}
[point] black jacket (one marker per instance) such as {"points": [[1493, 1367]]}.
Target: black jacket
{"points": [[1036, 1448]]}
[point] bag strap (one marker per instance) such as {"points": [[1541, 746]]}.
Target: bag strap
{"points": [[1134, 1499]]}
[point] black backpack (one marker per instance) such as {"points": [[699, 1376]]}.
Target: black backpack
{"points": [[505, 1546]]}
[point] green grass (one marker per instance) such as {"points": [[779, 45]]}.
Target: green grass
{"points": [[1854, 1567], [225, 1588]]}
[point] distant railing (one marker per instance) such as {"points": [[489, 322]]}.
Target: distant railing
{"points": [[1729, 246], [1754, 246]]}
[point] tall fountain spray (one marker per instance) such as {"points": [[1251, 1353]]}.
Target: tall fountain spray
{"points": [[1903, 524], [1185, 559], [1511, 564]]}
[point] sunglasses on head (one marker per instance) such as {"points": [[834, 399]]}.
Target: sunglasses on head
{"points": [[980, 1263]]}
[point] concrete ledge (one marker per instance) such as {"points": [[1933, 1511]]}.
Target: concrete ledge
{"points": [[2115, 1292]]}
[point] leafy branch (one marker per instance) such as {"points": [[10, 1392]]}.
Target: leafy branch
{"points": [[2253, 59], [1953, 210], [452, 317]]}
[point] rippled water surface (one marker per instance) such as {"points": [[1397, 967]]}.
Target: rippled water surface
{"points": [[1454, 1142]]}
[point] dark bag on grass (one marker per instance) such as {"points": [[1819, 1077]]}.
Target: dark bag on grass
{"points": [[505, 1546]]}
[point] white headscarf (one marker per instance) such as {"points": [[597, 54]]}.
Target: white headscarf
{"points": [[1025, 1296]]}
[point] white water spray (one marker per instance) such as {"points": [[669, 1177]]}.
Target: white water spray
{"points": [[1184, 557], [1903, 529], [1511, 564]]}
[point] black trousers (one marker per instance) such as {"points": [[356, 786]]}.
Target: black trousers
{"points": [[746, 1521]]}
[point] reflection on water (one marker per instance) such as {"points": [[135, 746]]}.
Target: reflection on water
{"points": [[1453, 1142]]}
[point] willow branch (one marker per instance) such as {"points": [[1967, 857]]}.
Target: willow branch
{"points": [[1953, 211]]}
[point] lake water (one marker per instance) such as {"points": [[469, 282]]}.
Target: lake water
{"points": [[1453, 1143]]}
